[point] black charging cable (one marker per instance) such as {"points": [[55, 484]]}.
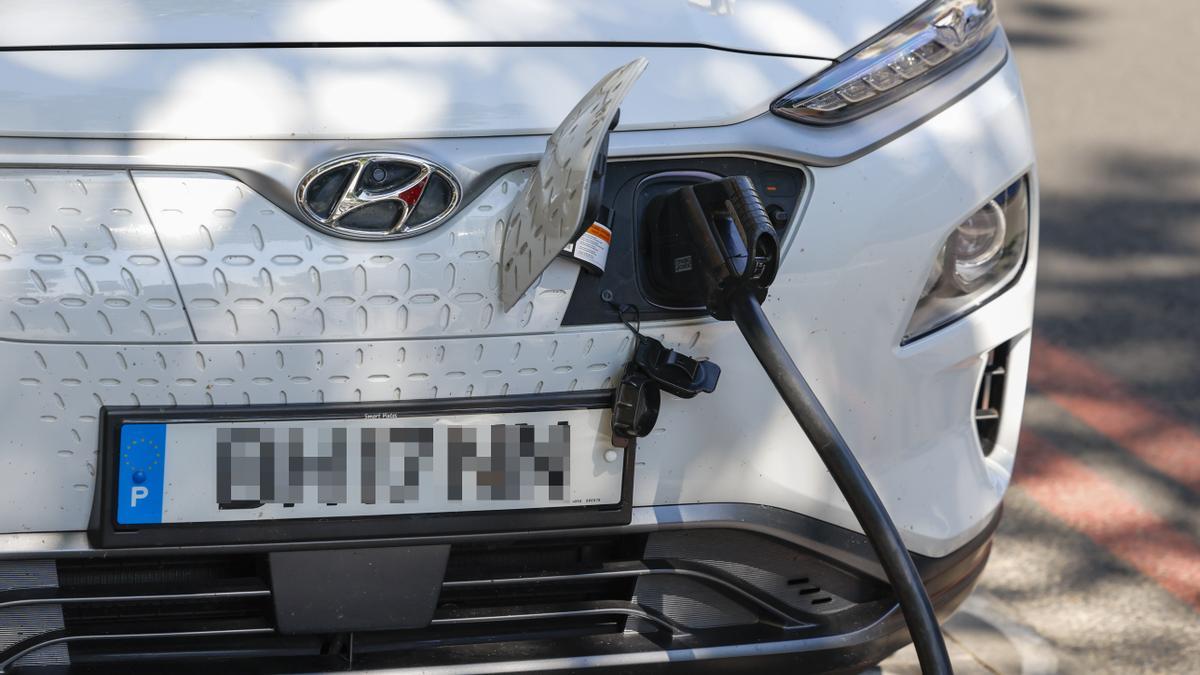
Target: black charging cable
{"points": [[851, 480], [736, 254]]}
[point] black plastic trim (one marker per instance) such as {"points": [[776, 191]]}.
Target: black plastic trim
{"points": [[949, 579], [105, 532]]}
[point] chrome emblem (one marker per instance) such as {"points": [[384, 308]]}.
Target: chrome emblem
{"points": [[377, 196]]}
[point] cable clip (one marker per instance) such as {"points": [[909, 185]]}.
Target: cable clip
{"points": [[654, 368], [635, 406], [676, 373]]}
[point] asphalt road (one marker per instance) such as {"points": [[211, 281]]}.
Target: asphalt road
{"points": [[1097, 562]]}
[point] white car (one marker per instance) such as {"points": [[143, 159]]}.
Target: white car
{"points": [[318, 349]]}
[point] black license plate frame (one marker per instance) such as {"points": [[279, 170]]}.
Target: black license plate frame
{"points": [[105, 532]]}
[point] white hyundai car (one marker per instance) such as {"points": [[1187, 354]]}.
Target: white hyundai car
{"points": [[338, 334]]}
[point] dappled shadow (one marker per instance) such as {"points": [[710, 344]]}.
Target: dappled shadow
{"points": [[1120, 272], [1052, 11], [1098, 612], [1172, 501], [1046, 40], [1044, 24], [412, 91]]}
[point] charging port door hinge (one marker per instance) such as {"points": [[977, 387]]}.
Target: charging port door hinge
{"points": [[564, 191]]}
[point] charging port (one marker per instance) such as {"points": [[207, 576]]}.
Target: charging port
{"points": [[642, 244]]}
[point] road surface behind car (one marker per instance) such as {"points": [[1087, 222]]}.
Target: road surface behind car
{"points": [[1096, 567]]}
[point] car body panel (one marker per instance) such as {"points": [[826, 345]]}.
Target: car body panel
{"points": [[96, 274], [815, 28], [372, 92], [250, 272], [906, 411]]}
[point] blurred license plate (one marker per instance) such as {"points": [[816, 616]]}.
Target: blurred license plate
{"points": [[213, 471]]}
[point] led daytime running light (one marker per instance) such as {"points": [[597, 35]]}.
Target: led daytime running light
{"points": [[943, 34]]}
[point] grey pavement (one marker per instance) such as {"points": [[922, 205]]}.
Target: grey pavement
{"points": [[1113, 88]]}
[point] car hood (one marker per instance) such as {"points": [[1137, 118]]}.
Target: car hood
{"points": [[813, 28], [226, 69]]}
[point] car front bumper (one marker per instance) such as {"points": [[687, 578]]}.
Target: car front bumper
{"points": [[714, 586]]}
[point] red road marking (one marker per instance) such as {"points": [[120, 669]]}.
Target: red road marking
{"points": [[1103, 403], [1110, 516]]}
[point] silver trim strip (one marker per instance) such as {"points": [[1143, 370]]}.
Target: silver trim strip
{"points": [[53, 599], [602, 609], [639, 570], [571, 663], [773, 522], [124, 636]]}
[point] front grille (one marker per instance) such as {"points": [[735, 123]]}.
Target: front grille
{"points": [[160, 573], [669, 588], [146, 595]]}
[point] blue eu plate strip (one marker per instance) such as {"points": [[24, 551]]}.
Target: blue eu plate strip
{"points": [[140, 473]]}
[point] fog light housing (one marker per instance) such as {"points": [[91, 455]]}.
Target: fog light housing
{"points": [[979, 259]]}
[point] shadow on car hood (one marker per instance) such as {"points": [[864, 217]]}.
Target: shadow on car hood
{"points": [[813, 28]]}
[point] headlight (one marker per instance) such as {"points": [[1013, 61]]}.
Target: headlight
{"points": [[977, 261], [943, 34]]}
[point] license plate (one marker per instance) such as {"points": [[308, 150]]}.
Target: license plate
{"points": [[195, 470]]}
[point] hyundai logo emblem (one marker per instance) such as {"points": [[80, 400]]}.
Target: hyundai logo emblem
{"points": [[377, 196]]}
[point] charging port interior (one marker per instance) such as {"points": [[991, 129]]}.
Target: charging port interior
{"points": [[644, 270]]}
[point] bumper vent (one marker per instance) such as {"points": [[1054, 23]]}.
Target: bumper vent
{"points": [[990, 403]]}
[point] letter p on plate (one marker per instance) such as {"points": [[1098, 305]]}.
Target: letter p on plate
{"points": [[138, 493]]}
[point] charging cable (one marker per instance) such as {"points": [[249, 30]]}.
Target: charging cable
{"points": [[737, 255]]}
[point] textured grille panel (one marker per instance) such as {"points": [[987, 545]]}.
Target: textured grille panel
{"points": [[16, 574], [690, 603], [79, 261], [249, 272], [23, 622], [779, 571], [56, 392]]}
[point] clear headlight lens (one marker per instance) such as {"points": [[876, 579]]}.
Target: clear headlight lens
{"points": [[975, 246], [943, 34], [977, 261]]}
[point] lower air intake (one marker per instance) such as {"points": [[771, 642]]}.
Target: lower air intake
{"points": [[990, 402], [604, 594]]}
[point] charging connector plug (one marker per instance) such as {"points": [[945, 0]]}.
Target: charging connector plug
{"points": [[735, 247]]}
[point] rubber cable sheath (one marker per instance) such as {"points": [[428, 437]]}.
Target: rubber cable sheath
{"points": [[851, 480]]}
